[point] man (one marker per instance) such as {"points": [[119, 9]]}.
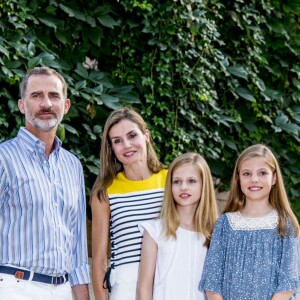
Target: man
{"points": [[43, 249]]}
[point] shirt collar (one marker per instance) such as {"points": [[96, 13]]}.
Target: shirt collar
{"points": [[32, 142]]}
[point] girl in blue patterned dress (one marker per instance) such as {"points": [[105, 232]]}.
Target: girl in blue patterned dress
{"points": [[254, 252]]}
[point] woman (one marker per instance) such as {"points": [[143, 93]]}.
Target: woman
{"points": [[129, 189]]}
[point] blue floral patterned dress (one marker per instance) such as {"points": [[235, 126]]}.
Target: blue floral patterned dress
{"points": [[249, 260]]}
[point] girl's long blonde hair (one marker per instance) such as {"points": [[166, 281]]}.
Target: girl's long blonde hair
{"points": [[278, 196], [206, 212], [109, 165]]}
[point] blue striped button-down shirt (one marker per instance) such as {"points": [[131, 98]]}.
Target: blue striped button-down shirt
{"points": [[42, 209]]}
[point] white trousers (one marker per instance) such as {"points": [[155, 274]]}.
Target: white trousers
{"points": [[125, 282], [12, 288]]}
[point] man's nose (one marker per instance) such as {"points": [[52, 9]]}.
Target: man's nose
{"points": [[46, 101]]}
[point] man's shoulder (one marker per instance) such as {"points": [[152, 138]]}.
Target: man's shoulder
{"points": [[7, 144], [70, 155]]}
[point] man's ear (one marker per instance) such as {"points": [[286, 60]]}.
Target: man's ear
{"points": [[21, 106], [67, 105]]}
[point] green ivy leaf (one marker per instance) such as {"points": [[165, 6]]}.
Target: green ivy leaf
{"points": [[71, 129], [61, 36], [107, 21], [96, 76], [281, 120], [273, 94], [4, 51], [230, 144], [80, 70], [33, 62], [110, 101], [260, 84], [291, 128], [96, 36], [73, 12], [91, 21], [12, 64], [50, 22], [94, 170], [238, 71], [80, 85], [245, 93], [128, 98], [125, 89]]}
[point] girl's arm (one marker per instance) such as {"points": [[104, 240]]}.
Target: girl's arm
{"points": [[214, 296], [147, 268], [282, 296], [100, 238]]}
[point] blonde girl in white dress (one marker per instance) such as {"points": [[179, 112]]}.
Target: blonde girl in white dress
{"points": [[174, 246]]}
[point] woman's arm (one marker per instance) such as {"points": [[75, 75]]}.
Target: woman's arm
{"points": [[147, 268], [282, 296], [213, 296], [100, 238]]}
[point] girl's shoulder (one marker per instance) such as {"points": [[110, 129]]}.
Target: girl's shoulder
{"points": [[154, 226]]}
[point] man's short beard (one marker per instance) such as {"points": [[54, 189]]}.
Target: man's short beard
{"points": [[45, 125], [40, 124]]}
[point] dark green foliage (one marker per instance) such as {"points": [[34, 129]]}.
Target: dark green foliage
{"points": [[74, 38], [208, 76], [217, 77]]}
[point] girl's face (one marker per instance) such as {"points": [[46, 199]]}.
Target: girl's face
{"points": [[186, 185], [128, 142], [256, 179]]}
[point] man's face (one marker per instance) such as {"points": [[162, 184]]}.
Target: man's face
{"points": [[43, 104]]}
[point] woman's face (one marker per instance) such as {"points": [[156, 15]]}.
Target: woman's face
{"points": [[129, 143]]}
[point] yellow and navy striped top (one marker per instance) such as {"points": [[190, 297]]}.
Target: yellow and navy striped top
{"points": [[132, 202]]}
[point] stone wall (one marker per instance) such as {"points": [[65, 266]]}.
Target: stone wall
{"points": [[221, 200]]}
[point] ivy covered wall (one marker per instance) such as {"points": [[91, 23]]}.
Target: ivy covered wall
{"points": [[208, 76]]}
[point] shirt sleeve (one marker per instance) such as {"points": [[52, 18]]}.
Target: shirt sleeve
{"points": [[212, 275], [80, 273], [289, 268], [153, 227]]}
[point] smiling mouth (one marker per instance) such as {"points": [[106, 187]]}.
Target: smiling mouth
{"points": [[129, 154], [254, 189], [184, 196]]}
